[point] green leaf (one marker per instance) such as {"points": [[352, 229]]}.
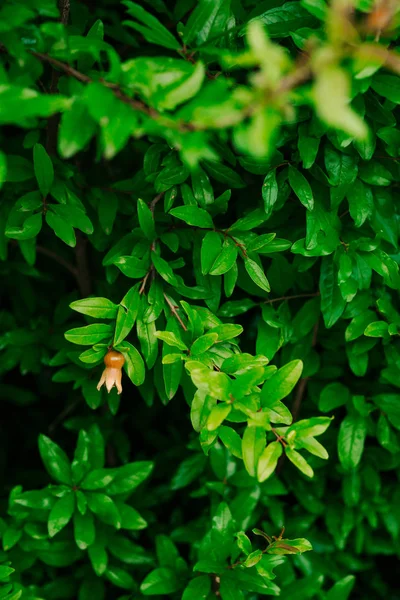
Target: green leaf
{"points": [[210, 249], [30, 228], [352, 434], [206, 21], [377, 329], [84, 530], [203, 343], [282, 20], [120, 578], [188, 471], [152, 30], [171, 339], [43, 168], [387, 86], [342, 168], [160, 581], [332, 97], [225, 260], [342, 588], [281, 383], [192, 215], [332, 302], [128, 477], [243, 542], [257, 274], [198, 588], [62, 228], [11, 537], [61, 514], [269, 193], [299, 462], [361, 202], [76, 129], [231, 440], [224, 174], [55, 460], [268, 460], [98, 557], [253, 444], [301, 188], [217, 416], [3, 169], [97, 479], [146, 220], [134, 365], [90, 334], [101, 308], [128, 311], [104, 508], [332, 396], [130, 518]]}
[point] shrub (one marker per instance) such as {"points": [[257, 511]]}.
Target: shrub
{"points": [[202, 196]]}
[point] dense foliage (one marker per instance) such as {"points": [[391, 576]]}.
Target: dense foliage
{"points": [[202, 196]]}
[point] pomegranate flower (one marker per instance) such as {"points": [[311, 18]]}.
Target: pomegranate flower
{"points": [[112, 374]]}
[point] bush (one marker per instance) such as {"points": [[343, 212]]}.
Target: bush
{"points": [[202, 196]]}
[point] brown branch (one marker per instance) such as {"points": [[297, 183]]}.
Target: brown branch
{"points": [[175, 312], [302, 387], [82, 266], [155, 200], [298, 399], [61, 261], [313, 295], [63, 414], [53, 121], [144, 280]]}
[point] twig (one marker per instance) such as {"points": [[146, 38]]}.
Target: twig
{"points": [[298, 399], [61, 261], [53, 121], [301, 388], [63, 414], [144, 280], [83, 273], [155, 200], [175, 313], [313, 295]]}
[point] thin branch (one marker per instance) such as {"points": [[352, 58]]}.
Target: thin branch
{"points": [[63, 414], [313, 295], [302, 387], [82, 266], [53, 121], [155, 200], [298, 399], [144, 280], [61, 261], [175, 312]]}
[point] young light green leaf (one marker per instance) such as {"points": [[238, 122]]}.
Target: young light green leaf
{"points": [[253, 444], [268, 460], [281, 383], [297, 459]]}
